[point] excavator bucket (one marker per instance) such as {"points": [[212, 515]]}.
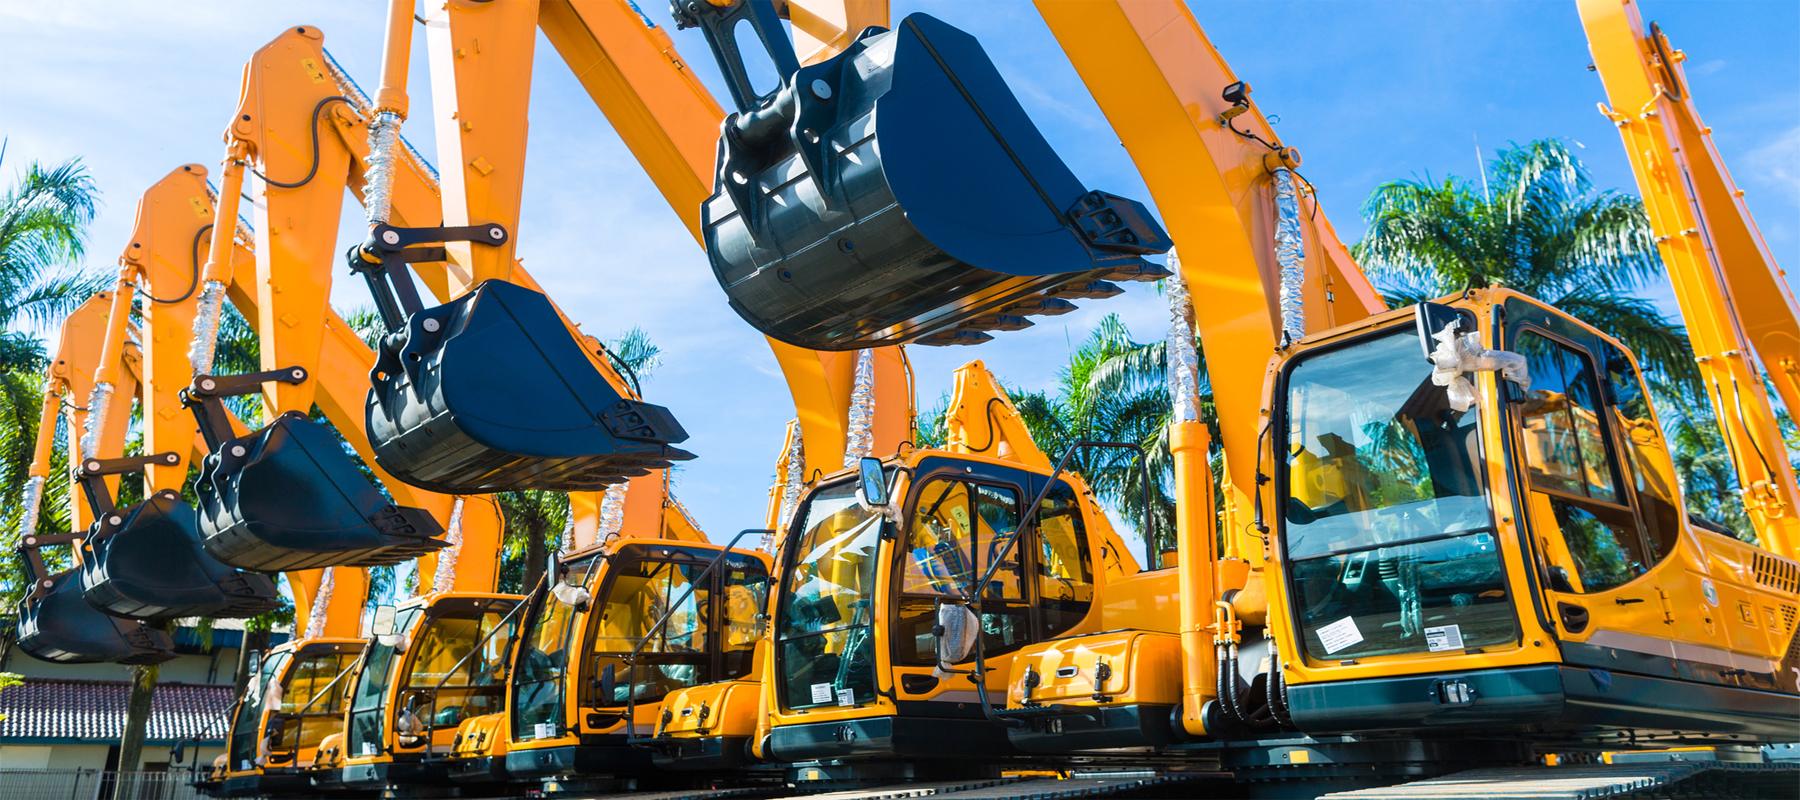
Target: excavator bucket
{"points": [[59, 626], [899, 193], [288, 497], [151, 566], [490, 392]]}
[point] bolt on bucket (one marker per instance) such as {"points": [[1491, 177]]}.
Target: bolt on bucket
{"points": [[56, 624], [899, 193], [490, 392], [146, 562], [288, 496]]}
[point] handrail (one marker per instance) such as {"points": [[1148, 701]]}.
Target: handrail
{"points": [[631, 659]]}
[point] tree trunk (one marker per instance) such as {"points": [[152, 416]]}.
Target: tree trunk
{"points": [[254, 640], [534, 557], [137, 720]]}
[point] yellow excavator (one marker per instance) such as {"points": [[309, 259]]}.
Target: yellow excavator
{"points": [[1490, 548]]}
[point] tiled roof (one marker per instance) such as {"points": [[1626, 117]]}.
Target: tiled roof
{"points": [[58, 708]]}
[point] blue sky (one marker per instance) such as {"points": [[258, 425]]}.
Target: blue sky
{"points": [[1369, 92]]}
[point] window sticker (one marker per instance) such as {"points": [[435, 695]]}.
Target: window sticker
{"points": [[846, 696], [1448, 637], [821, 692], [544, 730], [1339, 635]]}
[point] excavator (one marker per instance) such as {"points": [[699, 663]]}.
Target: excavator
{"points": [[399, 727], [1500, 557], [1495, 564]]}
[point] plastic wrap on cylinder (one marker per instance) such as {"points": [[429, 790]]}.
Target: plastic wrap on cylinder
{"points": [[445, 578], [567, 545], [206, 327], [612, 512], [794, 468], [28, 506], [1182, 367], [315, 617], [348, 87], [378, 179], [99, 400], [859, 438], [1290, 254]]}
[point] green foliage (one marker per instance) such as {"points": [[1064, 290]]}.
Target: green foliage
{"points": [[1545, 231], [7, 681], [1112, 389]]}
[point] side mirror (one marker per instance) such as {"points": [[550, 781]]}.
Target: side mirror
{"points": [[1431, 318], [609, 682], [872, 488], [955, 630], [383, 624], [178, 753], [255, 662]]}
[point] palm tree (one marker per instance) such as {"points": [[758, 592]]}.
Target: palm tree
{"points": [[1112, 389], [43, 235], [1538, 227], [1541, 228]]}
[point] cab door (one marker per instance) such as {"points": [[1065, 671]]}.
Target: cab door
{"points": [[1599, 521]]}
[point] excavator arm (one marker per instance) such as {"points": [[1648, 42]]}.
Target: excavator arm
{"points": [[1738, 306]]}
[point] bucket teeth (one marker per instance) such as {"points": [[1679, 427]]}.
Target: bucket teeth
{"points": [[959, 337], [998, 322], [1041, 307], [1141, 272], [1094, 290]]}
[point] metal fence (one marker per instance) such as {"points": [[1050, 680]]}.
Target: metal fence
{"points": [[89, 784]]}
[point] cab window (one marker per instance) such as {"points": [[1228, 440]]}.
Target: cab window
{"points": [[675, 657], [958, 530], [1065, 582], [1650, 473], [1592, 542]]}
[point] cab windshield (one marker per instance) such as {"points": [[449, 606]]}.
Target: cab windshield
{"points": [[1386, 521], [459, 666], [826, 656], [543, 659]]}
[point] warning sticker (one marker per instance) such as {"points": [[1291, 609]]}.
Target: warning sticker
{"points": [[544, 730], [1448, 637], [846, 697], [1339, 635], [821, 692]]}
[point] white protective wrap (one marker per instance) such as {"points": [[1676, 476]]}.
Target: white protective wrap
{"points": [[794, 467], [1456, 355], [567, 542], [99, 400], [1182, 367], [207, 310], [859, 436], [384, 155], [960, 627], [1290, 255], [315, 617], [28, 509], [360, 99], [444, 579], [570, 595], [612, 512]]}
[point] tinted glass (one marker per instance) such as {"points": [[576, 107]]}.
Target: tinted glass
{"points": [[824, 650], [1386, 523], [1564, 448], [1065, 583], [639, 593], [1652, 474]]}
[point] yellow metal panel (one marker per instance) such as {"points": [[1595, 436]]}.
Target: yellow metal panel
{"points": [[166, 253]]}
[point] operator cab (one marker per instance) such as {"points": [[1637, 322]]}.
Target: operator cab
{"points": [[444, 659], [866, 592], [1520, 563], [573, 685], [293, 701]]}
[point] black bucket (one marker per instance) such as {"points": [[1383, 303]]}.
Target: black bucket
{"points": [[899, 193], [61, 627], [490, 392], [151, 566], [288, 497]]}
